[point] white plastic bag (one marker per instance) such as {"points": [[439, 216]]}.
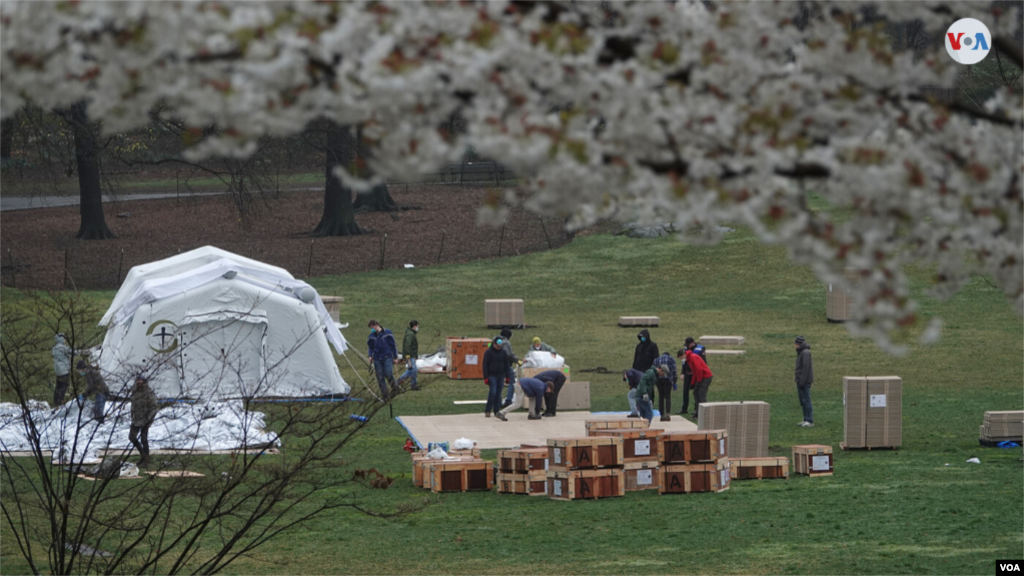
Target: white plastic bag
{"points": [[974, 461], [437, 454], [129, 470], [463, 444], [539, 359]]}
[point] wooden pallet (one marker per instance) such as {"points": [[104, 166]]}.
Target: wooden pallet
{"points": [[813, 460], [846, 447], [523, 460], [637, 445], [617, 424], [532, 484], [581, 453], [759, 468], [695, 478], [586, 484], [693, 447], [461, 476], [641, 475], [626, 321]]}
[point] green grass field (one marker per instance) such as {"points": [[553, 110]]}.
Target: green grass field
{"points": [[919, 509]]}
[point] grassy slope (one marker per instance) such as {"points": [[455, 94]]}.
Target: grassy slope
{"points": [[883, 512]]}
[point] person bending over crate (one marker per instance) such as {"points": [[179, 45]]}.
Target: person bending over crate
{"points": [[701, 380], [645, 391], [633, 378], [554, 379], [531, 388], [666, 384]]}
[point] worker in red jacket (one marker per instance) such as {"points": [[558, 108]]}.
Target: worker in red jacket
{"points": [[701, 379]]}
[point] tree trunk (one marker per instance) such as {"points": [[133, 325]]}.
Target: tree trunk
{"points": [[339, 218], [376, 200], [6, 138], [87, 150]]}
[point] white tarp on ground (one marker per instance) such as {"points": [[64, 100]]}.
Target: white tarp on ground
{"points": [[179, 426], [214, 325], [430, 362], [538, 359]]}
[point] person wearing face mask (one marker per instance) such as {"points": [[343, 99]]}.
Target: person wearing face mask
{"points": [[496, 366], [411, 351], [383, 353], [538, 346], [646, 352]]}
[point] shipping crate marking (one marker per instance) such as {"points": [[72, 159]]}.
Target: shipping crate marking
{"points": [[689, 478], [589, 452], [642, 475], [813, 460], [637, 445], [692, 447], [586, 484]]}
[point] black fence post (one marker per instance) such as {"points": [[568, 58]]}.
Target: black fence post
{"points": [[501, 240], [65, 269], [309, 267], [120, 261], [10, 260], [438, 250], [545, 229], [383, 250]]}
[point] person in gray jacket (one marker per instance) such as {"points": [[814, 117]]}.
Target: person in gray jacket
{"points": [[61, 367], [804, 379]]}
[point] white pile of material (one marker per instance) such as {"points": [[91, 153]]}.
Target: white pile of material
{"points": [[73, 435], [538, 359], [433, 361]]}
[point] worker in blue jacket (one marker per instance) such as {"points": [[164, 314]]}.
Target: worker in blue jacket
{"points": [[383, 353]]}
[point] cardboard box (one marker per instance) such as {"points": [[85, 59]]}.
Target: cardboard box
{"points": [[686, 478], [466, 357], [639, 321], [693, 447], [447, 476], [504, 313], [721, 340], [531, 372], [582, 484], [839, 302], [641, 475], [746, 422], [588, 452], [532, 484], [574, 396], [999, 426], [616, 424], [759, 468], [523, 460], [872, 412], [813, 460], [637, 445]]}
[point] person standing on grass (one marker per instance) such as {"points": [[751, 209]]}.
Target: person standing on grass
{"points": [[532, 389], [61, 367], [645, 390], [144, 409], [691, 344], [411, 351], [701, 379], [665, 385], [496, 366], [539, 346], [383, 353], [804, 379], [94, 384], [554, 379], [646, 351], [506, 338], [633, 378]]}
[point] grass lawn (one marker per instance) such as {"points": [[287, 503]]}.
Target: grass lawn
{"points": [[884, 512]]}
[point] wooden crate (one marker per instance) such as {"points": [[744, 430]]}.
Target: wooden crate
{"points": [[637, 445], [523, 460], [421, 468], [693, 447], [812, 460], [589, 452], [721, 340], [504, 313], [583, 484], [641, 475], [686, 478], [532, 484], [461, 476], [466, 357], [616, 424], [639, 321], [759, 468]]}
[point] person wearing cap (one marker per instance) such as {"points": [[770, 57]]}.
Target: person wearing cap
{"points": [[144, 409], [539, 346], [556, 379], [61, 367], [411, 351], [701, 379], [506, 338], [496, 365], [687, 374], [531, 389], [804, 379], [383, 353], [94, 384], [633, 378]]}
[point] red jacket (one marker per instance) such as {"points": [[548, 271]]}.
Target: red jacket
{"points": [[698, 367]]}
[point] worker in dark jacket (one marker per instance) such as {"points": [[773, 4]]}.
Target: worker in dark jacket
{"points": [[383, 353], [687, 374], [646, 352], [633, 378], [94, 384], [804, 379], [506, 337], [645, 391], [556, 379], [527, 389], [410, 352], [665, 385], [496, 366], [701, 379], [144, 409]]}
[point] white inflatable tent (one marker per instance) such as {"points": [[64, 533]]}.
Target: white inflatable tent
{"points": [[214, 325]]}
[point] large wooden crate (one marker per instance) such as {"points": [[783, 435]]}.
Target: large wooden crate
{"points": [[637, 445], [872, 412], [461, 476], [523, 460], [616, 424], [584, 484], [589, 452], [641, 475], [532, 484], [466, 357], [813, 460], [693, 447], [421, 467], [686, 478], [759, 468], [504, 313], [746, 421], [839, 302]]}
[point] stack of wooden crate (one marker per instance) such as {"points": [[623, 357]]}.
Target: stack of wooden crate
{"points": [[463, 471], [693, 462], [523, 470], [639, 455], [588, 467], [1001, 426]]}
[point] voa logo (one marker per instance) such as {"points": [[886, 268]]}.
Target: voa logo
{"points": [[967, 41]]}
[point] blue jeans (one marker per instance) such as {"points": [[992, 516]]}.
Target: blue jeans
{"points": [[632, 400], [646, 409], [97, 407], [511, 385], [410, 374], [804, 392], [383, 368], [494, 384]]}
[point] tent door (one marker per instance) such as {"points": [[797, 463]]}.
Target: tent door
{"points": [[222, 358]]}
